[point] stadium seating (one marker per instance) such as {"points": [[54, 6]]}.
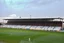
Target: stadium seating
{"points": [[57, 29], [27, 27], [39, 28], [46, 28], [50, 28], [33, 27]]}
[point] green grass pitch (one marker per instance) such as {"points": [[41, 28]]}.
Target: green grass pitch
{"points": [[8, 35]]}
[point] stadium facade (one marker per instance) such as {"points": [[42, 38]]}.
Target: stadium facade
{"points": [[47, 24]]}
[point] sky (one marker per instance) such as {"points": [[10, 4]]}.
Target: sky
{"points": [[35, 8]]}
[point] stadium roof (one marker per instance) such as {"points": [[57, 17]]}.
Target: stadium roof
{"points": [[36, 18], [33, 18]]}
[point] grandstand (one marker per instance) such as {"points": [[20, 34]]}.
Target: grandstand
{"points": [[47, 24]]}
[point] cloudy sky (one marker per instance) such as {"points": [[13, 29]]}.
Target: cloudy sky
{"points": [[35, 8]]}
